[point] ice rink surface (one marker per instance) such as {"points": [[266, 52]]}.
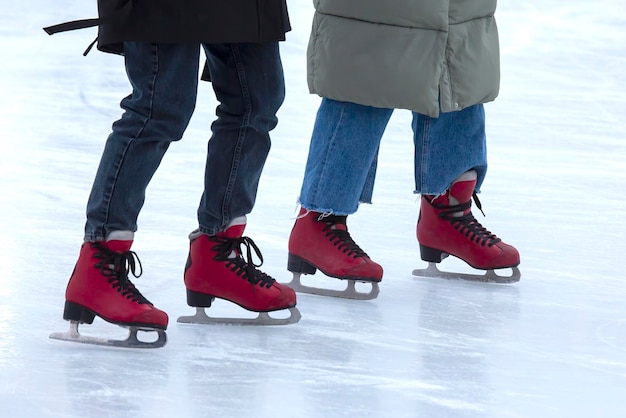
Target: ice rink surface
{"points": [[553, 345]]}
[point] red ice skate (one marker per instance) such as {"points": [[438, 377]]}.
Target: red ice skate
{"points": [[446, 226], [322, 242], [100, 286], [216, 268]]}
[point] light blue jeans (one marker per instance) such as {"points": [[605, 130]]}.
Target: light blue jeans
{"points": [[341, 166], [249, 85]]}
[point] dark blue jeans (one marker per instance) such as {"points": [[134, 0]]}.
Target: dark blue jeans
{"points": [[249, 85]]}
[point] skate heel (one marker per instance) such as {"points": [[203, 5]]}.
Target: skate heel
{"points": [[199, 300], [432, 255], [75, 312], [297, 265]]}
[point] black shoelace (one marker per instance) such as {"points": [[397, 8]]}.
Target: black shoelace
{"points": [[115, 267], [341, 238], [468, 225], [229, 250]]}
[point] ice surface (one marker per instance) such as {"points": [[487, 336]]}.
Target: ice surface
{"points": [[553, 345]]}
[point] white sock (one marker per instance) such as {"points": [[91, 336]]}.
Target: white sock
{"points": [[240, 220], [120, 236]]}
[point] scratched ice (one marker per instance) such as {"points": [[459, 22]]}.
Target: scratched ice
{"points": [[553, 345]]}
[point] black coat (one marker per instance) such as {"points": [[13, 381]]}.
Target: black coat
{"points": [[176, 21]]}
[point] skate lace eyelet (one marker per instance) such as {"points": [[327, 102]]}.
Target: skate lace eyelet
{"points": [[341, 238], [468, 225], [230, 251], [116, 266]]}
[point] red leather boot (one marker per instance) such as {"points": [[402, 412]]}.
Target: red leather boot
{"points": [[324, 243], [446, 226], [100, 286], [220, 266]]}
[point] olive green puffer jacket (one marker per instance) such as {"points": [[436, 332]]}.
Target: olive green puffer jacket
{"points": [[429, 56]]}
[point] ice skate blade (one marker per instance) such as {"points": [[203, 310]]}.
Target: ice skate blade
{"points": [[349, 292], [490, 276], [263, 319], [131, 342]]}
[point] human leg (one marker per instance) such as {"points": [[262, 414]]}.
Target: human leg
{"points": [[164, 81], [339, 173], [450, 165], [248, 82], [448, 146], [342, 154], [249, 85]]}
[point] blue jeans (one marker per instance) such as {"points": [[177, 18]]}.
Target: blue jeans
{"points": [[341, 166], [249, 85]]}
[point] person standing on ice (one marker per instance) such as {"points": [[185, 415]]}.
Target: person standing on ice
{"points": [[365, 58], [161, 43]]}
